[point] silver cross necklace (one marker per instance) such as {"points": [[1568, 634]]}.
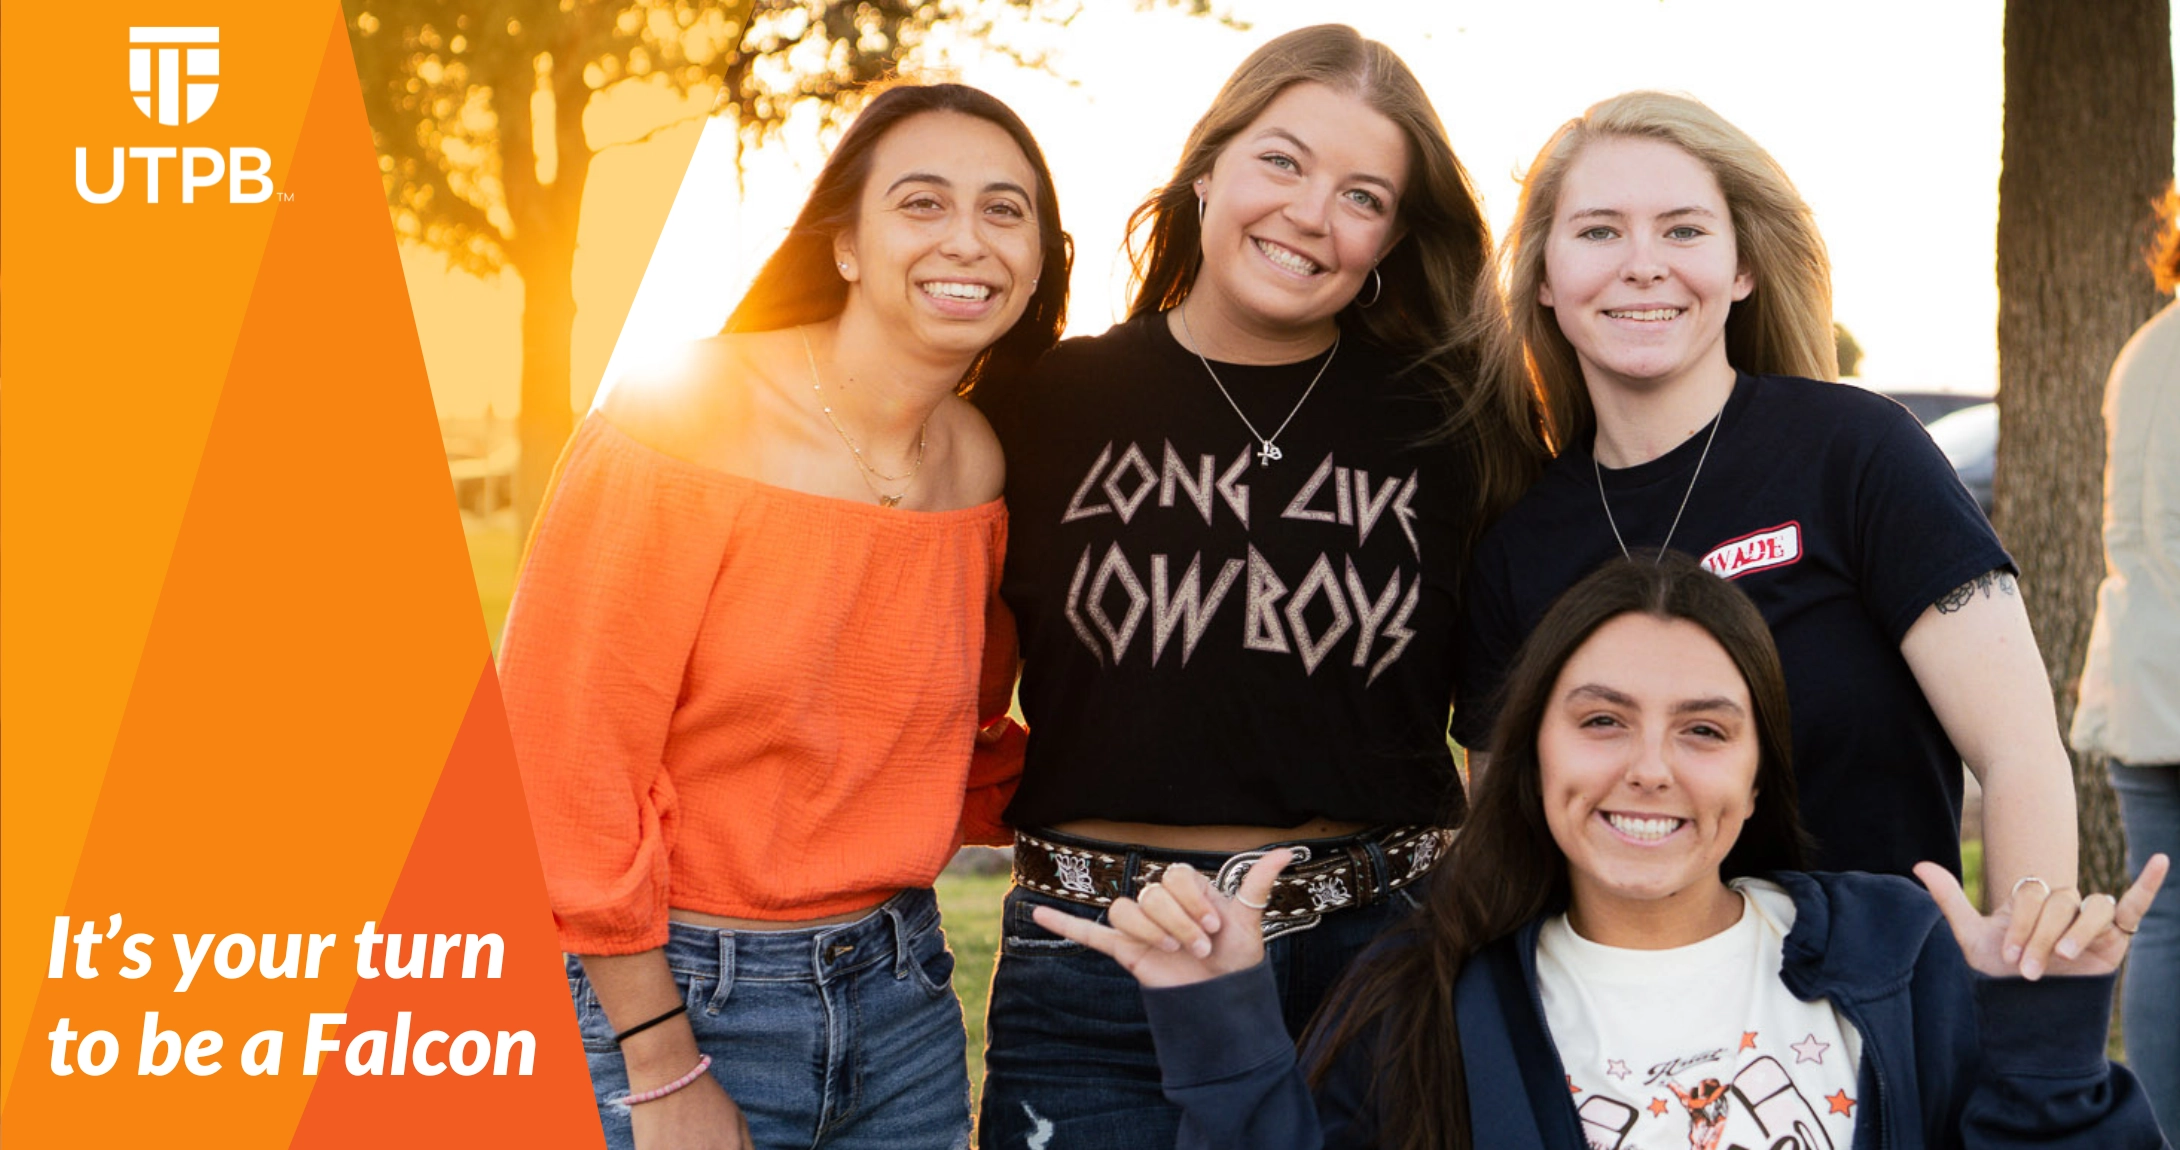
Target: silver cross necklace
{"points": [[1268, 451]]}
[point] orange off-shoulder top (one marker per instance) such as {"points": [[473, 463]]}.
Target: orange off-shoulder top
{"points": [[749, 701]]}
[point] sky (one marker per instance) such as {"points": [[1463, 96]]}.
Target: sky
{"points": [[1887, 114]]}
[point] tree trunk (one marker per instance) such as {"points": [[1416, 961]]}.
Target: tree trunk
{"points": [[548, 330], [542, 249], [2088, 144]]}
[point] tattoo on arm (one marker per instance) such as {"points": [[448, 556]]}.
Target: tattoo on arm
{"points": [[1958, 597]]}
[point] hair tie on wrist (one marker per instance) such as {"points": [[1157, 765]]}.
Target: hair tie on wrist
{"points": [[679, 1010], [703, 1063]]}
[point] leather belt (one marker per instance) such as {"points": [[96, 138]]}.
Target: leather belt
{"points": [[1330, 875]]}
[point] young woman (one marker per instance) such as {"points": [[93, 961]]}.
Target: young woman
{"points": [[2130, 702], [1651, 970], [742, 665], [1670, 289], [1236, 553]]}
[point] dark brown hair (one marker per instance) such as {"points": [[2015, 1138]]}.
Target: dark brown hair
{"points": [[798, 283], [1505, 869], [1421, 311]]}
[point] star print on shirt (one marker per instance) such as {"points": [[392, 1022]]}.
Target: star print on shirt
{"points": [[1617, 1068], [1841, 1104], [1658, 1108], [1571, 1087], [1748, 1040], [1809, 1050]]}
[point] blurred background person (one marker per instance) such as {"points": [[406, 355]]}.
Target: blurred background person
{"points": [[2130, 694]]}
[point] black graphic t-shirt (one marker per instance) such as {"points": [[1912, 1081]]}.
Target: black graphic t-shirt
{"points": [[1212, 639], [1832, 509]]}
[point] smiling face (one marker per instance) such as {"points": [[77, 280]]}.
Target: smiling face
{"points": [[945, 251], [1641, 268], [1298, 207], [1648, 753]]}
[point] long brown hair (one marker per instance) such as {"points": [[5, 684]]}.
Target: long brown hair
{"points": [[1784, 327], [798, 283], [1505, 869], [1421, 311]]}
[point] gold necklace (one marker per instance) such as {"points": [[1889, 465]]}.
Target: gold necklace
{"points": [[871, 475]]}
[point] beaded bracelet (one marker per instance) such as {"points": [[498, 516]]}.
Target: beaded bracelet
{"points": [[703, 1063]]}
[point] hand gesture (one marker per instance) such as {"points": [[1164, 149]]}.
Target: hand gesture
{"points": [[1180, 930], [2040, 931]]}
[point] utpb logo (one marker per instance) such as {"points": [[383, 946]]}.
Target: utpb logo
{"points": [[172, 77], [157, 68]]}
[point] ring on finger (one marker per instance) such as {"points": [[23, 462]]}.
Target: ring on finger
{"points": [[2128, 930], [1266, 904], [2105, 897], [2025, 880]]}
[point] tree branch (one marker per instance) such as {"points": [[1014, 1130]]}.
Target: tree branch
{"points": [[654, 133]]}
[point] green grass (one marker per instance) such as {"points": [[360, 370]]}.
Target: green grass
{"points": [[1971, 870], [969, 906]]}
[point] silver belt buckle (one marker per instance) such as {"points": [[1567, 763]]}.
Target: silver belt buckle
{"points": [[1236, 868]]}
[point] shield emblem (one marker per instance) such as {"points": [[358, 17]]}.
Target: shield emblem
{"points": [[172, 72]]}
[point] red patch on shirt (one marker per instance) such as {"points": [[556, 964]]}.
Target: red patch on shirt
{"points": [[1756, 551]]}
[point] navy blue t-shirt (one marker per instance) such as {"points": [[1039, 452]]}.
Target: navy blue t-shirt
{"points": [[1832, 509], [1208, 639]]}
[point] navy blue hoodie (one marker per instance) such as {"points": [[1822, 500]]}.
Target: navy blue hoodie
{"points": [[1949, 1058]]}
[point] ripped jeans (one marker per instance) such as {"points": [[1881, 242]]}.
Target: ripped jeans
{"points": [[844, 1037], [1068, 1060]]}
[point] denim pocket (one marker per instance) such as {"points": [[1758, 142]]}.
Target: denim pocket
{"points": [[933, 962], [1022, 936], [590, 1018]]}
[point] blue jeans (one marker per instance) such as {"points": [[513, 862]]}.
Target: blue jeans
{"points": [[2149, 808], [1068, 1058], [843, 1037]]}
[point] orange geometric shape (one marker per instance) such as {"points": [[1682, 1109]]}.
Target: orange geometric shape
{"points": [[114, 343], [1841, 1104], [315, 644], [473, 872]]}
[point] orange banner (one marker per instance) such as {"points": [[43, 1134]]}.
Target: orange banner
{"points": [[253, 752]]}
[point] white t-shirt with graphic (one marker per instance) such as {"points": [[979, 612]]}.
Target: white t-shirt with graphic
{"points": [[1699, 1047]]}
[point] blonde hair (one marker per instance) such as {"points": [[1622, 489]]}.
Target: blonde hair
{"points": [[1422, 312], [1784, 327]]}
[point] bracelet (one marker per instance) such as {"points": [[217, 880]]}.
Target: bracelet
{"points": [[703, 1063], [640, 1027]]}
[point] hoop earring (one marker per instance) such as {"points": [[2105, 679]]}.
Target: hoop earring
{"points": [[1377, 285]]}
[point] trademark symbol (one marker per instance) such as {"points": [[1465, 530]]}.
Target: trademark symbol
{"points": [[287, 197]]}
